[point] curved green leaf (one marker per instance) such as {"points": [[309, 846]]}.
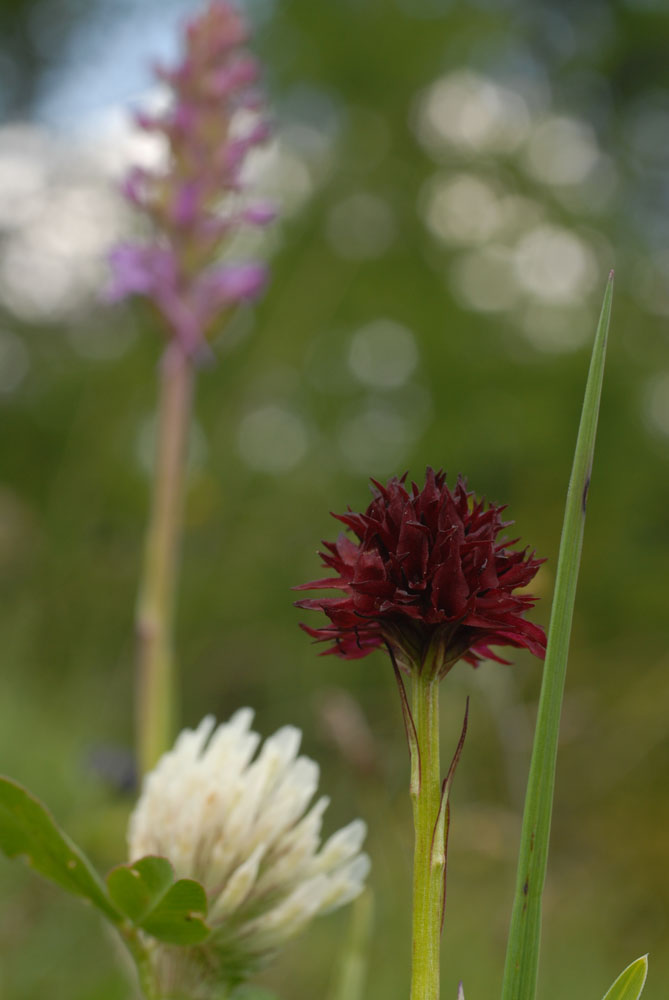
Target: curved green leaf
{"points": [[179, 917], [630, 983], [27, 829], [138, 887]]}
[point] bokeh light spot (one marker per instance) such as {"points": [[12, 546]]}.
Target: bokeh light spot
{"points": [[383, 354], [472, 113], [561, 150], [554, 264], [461, 208], [272, 439]]}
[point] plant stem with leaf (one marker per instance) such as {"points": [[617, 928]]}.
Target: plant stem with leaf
{"points": [[156, 681], [429, 797]]}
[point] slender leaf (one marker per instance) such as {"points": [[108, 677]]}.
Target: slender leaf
{"points": [[27, 829], [630, 983], [522, 958]]}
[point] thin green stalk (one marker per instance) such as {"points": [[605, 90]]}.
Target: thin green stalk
{"points": [[155, 607], [522, 958], [142, 962], [428, 870]]}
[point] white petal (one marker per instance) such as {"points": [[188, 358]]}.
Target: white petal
{"points": [[290, 857], [341, 846], [346, 883], [190, 742], [287, 803], [238, 887], [289, 916]]}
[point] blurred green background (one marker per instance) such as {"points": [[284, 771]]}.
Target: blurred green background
{"points": [[456, 182]]}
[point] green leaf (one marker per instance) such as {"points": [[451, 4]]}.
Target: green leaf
{"points": [[522, 957], [146, 893], [27, 829], [137, 888], [179, 918], [630, 983]]}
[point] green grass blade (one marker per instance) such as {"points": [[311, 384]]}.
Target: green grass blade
{"points": [[630, 983], [522, 957]]}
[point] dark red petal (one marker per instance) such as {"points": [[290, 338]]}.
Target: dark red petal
{"points": [[332, 583]]}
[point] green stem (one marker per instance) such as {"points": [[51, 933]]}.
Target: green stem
{"points": [[428, 870], [155, 606], [142, 962]]}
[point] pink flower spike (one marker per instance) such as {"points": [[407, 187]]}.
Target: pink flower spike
{"points": [[236, 151], [147, 122], [140, 270], [250, 100], [133, 187], [236, 74], [260, 213], [187, 203], [231, 283], [192, 202]]}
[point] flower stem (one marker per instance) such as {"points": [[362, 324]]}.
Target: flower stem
{"points": [[428, 870], [155, 606], [142, 962]]}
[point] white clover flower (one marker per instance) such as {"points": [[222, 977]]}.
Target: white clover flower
{"points": [[240, 826]]}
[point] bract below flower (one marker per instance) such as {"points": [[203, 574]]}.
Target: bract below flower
{"points": [[238, 823], [426, 567]]}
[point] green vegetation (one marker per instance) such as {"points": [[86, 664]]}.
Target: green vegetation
{"points": [[487, 393]]}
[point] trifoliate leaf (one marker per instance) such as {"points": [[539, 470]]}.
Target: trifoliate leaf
{"points": [[146, 893]]}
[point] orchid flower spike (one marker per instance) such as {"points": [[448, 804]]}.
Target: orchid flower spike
{"points": [[195, 205]]}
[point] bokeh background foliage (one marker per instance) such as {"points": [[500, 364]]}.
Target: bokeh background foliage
{"points": [[457, 181]]}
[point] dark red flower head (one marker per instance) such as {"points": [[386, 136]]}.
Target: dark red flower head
{"points": [[426, 565]]}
